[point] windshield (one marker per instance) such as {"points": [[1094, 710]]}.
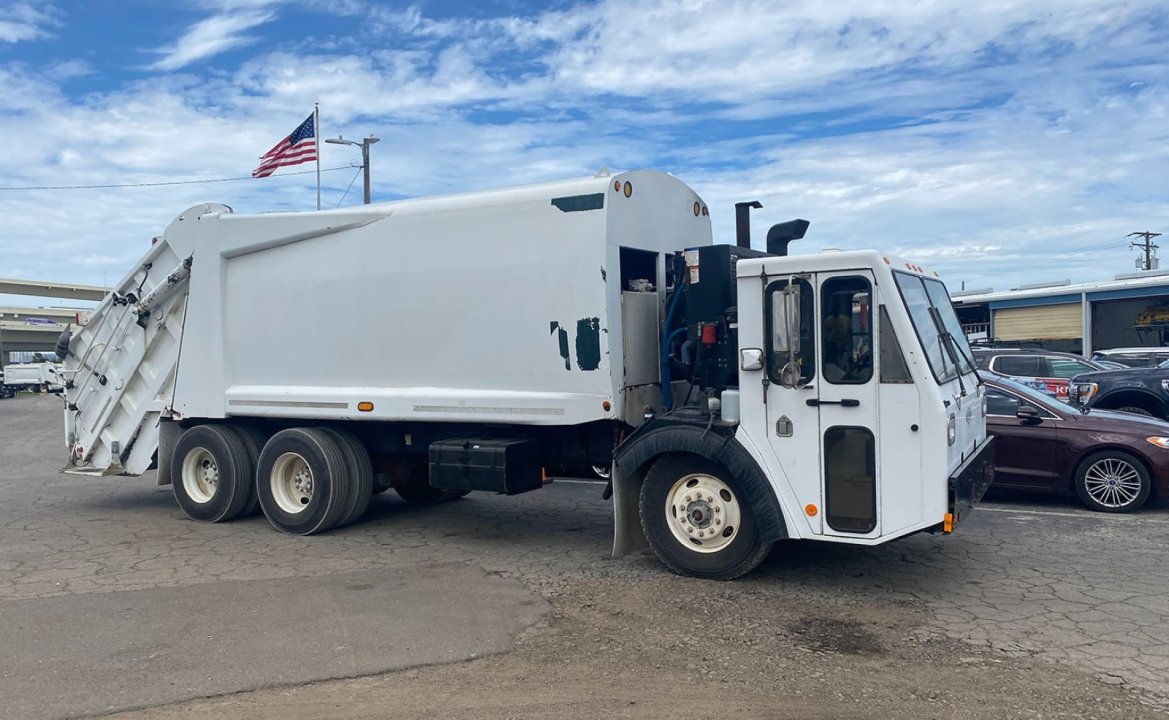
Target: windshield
{"points": [[927, 299]]}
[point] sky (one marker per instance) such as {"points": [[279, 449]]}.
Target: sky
{"points": [[999, 143]]}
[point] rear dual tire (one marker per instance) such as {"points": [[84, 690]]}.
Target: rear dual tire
{"points": [[212, 473], [305, 484], [360, 470]]}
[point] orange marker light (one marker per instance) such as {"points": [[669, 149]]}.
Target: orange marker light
{"points": [[948, 523], [697, 208], [365, 406], [811, 510], [628, 188], [606, 406]]}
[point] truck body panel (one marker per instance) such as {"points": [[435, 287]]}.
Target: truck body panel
{"points": [[488, 307]]}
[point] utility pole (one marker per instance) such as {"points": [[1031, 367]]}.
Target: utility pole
{"points": [[1147, 246], [364, 145]]}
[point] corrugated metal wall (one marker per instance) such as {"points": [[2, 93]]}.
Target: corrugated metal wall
{"points": [[1049, 322]]}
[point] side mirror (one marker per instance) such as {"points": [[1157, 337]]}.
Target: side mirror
{"points": [[785, 312], [1029, 414], [751, 359]]}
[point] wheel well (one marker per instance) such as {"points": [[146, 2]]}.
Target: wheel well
{"points": [[1132, 398], [634, 459]]}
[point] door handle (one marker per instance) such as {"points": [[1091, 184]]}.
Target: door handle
{"points": [[846, 402]]}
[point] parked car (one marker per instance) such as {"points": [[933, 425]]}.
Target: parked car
{"points": [[1143, 390], [1113, 461], [1044, 370], [1134, 356]]}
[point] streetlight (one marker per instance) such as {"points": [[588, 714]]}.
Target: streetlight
{"points": [[364, 145]]}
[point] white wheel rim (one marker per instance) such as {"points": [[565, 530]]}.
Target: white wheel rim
{"points": [[200, 475], [292, 483], [703, 513], [1112, 482]]}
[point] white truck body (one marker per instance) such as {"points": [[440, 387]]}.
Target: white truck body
{"points": [[407, 305], [523, 319], [32, 376]]}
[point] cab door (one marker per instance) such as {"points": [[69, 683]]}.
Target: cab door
{"points": [[822, 400]]}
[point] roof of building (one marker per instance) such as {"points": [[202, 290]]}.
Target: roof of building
{"points": [[1152, 282]]}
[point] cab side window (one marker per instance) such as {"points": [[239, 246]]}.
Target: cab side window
{"points": [[846, 330]]}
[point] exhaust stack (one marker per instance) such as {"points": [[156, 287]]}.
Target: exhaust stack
{"points": [[781, 234], [743, 222]]}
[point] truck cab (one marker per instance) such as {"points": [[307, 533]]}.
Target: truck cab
{"points": [[857, 415]]}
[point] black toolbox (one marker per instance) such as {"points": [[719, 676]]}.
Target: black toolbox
{"points": [[498, 465]]}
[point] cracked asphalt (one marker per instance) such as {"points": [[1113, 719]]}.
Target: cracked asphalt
{"points": [[111, 601]]}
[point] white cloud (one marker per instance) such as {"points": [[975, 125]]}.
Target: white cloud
{"points": [[990, 141], [24, 21], [212, 36]]}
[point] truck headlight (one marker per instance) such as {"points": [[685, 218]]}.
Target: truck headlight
{"points": [[951, 430], [1161, 442], [1082, 393]]}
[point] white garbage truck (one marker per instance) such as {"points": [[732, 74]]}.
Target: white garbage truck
{"points": [[300, 362], [40, 376]]}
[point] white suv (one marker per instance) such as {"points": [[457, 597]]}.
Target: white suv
{"points": [[1134, 356]]}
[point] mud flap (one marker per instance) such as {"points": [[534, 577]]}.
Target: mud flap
{"points": [[627, 533], [168, 435]]}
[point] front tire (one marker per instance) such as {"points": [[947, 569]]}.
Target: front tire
{"points": [[212, 473], [697, 520], [1113, 481], [303, 481]]}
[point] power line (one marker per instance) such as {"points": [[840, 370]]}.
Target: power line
{"points": [[1046, 260], [157, 184], [359, 170]]}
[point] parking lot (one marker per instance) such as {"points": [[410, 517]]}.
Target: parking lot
{"points": [[114, 603]]}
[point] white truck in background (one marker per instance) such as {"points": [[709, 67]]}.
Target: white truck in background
{"points": [[300, 362], [43, 376]]}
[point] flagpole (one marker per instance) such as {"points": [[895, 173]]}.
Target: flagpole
{"points": [[317, 130]]}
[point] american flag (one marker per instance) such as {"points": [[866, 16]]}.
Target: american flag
{"points": [[299, 147]]}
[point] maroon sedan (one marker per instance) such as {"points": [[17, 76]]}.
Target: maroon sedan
{"points": [[1113, 460]]}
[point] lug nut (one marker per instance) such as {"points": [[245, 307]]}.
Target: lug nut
{"points": [[699, 533], [717, 508], [687, 498], [689, 529], [718, 521]]}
